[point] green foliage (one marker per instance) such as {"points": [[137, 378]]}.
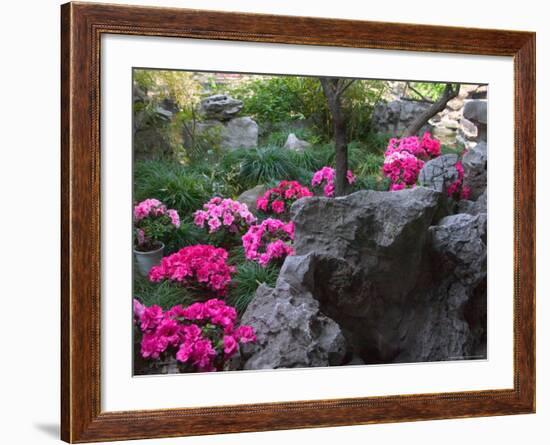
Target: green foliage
{"points": [[427, 90], [259, 166], [164, 294], [358, 103], [281, 98], [175, 185], [248, 277]]}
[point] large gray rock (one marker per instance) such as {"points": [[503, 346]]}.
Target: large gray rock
{"points": [[474, 207], [383, 272], [220, 107], [449, 319], [461, 243], [475, 169], [475, 110], [361, 256], [241, 132], [293, 143], [393, 117], [250, 196], [439, 173], [291, 331]]}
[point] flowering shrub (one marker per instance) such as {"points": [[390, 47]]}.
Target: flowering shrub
{"points": [[402, 168], [279, 199], [202, 336], [224, 213], [200, 267], [404, 158], [326, 176], [271, 240], [457, 190], [152, 222]]}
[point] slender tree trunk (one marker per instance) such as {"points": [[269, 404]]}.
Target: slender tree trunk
{"points": [[333, 89]]}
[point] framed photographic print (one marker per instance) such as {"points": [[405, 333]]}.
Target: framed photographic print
{"points": [[279, 222]]}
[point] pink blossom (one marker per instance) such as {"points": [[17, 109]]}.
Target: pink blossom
{"points": [[326, 176], [150, 318], [230, 345], [221, 213], [268, 241], [201, 335], [245, 334], [278, 206], [174, 217], [202, 265], [279, 199]]}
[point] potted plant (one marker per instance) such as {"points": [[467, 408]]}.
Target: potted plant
{"points": [[152, 223]]}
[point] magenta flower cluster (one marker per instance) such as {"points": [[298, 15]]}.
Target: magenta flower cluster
{"points": [[325, 178], [458, 190], [279, 199], [269, 241], [152, 208], [404, 158], [153, 221], [200, 267], [202, 336], [224, 213]]}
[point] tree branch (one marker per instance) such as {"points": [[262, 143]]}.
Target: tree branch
{"points": [[450, 92]]}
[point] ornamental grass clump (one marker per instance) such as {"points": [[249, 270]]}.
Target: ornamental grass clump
{"points": [[270, 241], [201, 268], [201, 337], [405, 157], [325, 178], [279, 199], [152, 223]]}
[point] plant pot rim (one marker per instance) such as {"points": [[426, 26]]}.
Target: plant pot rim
{"points": [[150, 252]]}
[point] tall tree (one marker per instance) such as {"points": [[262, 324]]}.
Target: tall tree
{"points": [[334, 88], [451, 91]]}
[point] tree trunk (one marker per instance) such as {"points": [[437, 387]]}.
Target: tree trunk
{"points": [[333, 89], [450, 92]]}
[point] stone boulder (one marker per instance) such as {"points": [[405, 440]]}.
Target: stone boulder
{"points": [[291, 331], [475, 112], [361, 256], [394, 116], [220, 107], [475, 169], [240, 132], [250, 196], [293, 143], [474, 207], [448, 320], [439, 173]]}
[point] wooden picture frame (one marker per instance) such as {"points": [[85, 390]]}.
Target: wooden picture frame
{"points": [[82, 26]]}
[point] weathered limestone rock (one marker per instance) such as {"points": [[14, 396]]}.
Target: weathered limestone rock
{"points": [[250, 196], [220, 107], [475, 169], [393, 117], [293, 143], [439, 173], [474, 207], [241, 132], [291, 331]]}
